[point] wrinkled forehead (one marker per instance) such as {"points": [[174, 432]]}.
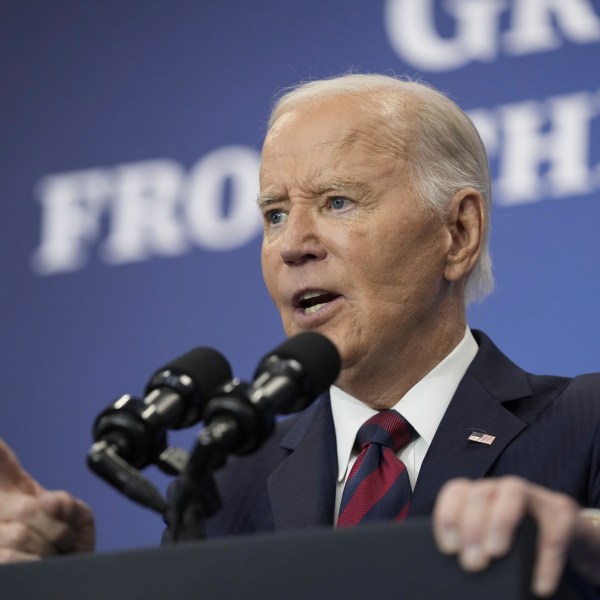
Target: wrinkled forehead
{"points": [[307, 152], [337, 124]]}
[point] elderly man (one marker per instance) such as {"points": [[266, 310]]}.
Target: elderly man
{"points": [[375, 195]]}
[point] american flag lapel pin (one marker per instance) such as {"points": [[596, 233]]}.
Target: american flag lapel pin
{"points": [[481, 437]]}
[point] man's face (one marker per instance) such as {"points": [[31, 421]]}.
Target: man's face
{"points": [[346, 251]]}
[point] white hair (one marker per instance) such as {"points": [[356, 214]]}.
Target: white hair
{"points": [[442, 149]]}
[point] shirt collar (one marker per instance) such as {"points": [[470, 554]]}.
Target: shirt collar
{"points": [[423, 406]]}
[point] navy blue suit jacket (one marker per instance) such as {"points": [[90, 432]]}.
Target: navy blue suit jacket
{"points": [[546, 428]]}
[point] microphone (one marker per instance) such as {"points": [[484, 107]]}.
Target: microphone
{"points": [[240, 419], [290, 377], [286, 380], [175, 397]]}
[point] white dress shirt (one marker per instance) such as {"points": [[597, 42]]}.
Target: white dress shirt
{"points": [[423, 406]]}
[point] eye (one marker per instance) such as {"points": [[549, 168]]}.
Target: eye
{"points": [[274, 217], [338, 203]]}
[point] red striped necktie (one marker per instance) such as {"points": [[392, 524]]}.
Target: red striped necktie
{"points": [[378, 486]]}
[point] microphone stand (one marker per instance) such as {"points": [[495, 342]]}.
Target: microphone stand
{"points": [[193, 497], [233, 423], [241, 418]]}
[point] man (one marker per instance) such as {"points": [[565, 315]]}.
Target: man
{"points": [[376, 199]]}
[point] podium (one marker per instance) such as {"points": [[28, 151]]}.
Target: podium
{"points": [[371, 561]]}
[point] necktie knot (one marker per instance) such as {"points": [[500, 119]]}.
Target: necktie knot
{"points": [[387, 428]]}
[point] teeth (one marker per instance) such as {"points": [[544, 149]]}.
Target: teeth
{"points": [[313, 309], [309, 295], [312, 301]]}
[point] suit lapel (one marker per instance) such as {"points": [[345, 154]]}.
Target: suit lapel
{"points": [[451, 454], [480, 403], [302, 488]]}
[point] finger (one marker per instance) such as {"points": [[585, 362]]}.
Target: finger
{"points": [[447, 515], [8, 555], [584, 551], [482, 517], [556, 516], [505, 515], [28, 510], [12, 475], [19, 537], [473, 527], [78, 534]]}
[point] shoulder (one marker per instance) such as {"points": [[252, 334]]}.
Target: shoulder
{"points": [[530, 396], [585, 386], [496, 371], [576, 398]]}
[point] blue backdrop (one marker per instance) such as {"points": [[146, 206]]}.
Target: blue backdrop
{"points": [[129, 140]]}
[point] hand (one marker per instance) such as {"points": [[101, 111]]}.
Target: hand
{"points": [[477, 521], [35, 522]]}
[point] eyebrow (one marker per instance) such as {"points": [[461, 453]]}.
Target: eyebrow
{"points": [[335, 185], [266, 199]]}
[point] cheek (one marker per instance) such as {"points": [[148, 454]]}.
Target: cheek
{"points": [[384, 260]]}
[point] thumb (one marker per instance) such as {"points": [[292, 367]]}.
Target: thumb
{"points": [[12, 475]]}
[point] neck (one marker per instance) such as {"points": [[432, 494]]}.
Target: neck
{"points": [[382, 380]]}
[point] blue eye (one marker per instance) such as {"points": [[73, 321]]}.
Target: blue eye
{"points": [[339, 203], [275, 217]]}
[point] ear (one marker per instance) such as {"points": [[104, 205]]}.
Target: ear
{"points": [[466, 226]]}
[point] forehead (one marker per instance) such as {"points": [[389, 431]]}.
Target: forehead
{"points": [[342, 132]]}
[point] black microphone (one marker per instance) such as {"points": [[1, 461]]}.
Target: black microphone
{"points": [[240, 419], [287, 379], [290, 377], [175, 397]]}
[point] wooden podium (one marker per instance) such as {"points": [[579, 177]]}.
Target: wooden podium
{"points": [[367, 562]]}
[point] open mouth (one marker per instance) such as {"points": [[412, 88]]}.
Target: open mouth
{"points": [[311, 302]]}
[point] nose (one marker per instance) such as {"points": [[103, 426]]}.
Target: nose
{"points": [[302, 241]]}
